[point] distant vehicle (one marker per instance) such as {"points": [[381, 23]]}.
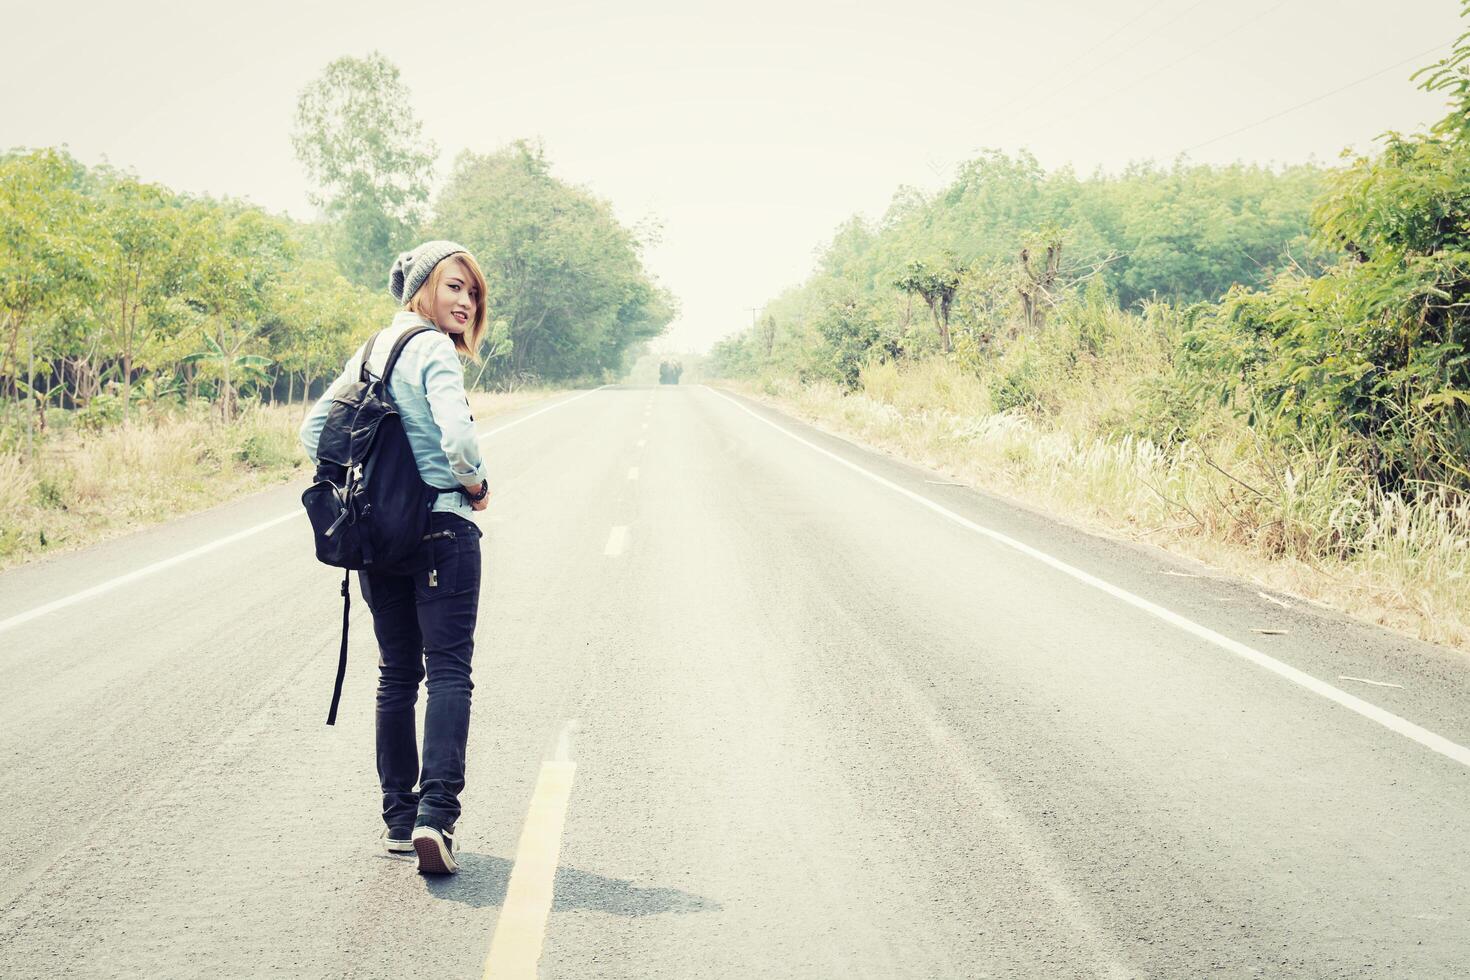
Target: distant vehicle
{"points": [[669, 371]]}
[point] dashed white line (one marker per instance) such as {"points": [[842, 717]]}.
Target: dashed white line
{"points": [[1430, 740], [617, 540], [632, 472]]}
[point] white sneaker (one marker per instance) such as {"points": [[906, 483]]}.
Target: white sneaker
{"points": [[399, 841], [435, 849]]}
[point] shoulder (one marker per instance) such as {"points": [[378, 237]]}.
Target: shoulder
{"points": [[435, 345], [437, 355]]}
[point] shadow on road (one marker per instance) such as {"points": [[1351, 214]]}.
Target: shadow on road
{"points": [[482, 880]]}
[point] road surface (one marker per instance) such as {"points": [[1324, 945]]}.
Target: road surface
{"points": [[750, 701]]}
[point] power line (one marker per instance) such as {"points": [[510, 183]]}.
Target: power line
{"points": [[1041, 99], [1044, 98], [1319, 98], [1056, 120]]}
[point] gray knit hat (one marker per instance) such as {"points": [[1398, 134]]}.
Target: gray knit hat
{"points": [[411, 269]]}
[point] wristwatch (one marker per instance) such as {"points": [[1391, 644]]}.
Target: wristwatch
{"points": [[484, 492]]}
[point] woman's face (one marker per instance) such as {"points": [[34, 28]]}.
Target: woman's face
{"points": [[457, 300]]}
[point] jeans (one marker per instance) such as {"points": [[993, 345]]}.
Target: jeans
{"points": [[426, 620]]}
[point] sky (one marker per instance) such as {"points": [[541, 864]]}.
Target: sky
{"points": [[745, 132]]}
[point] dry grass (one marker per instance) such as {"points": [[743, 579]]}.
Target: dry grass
{"points": [[1304, 525], [82, 487]]}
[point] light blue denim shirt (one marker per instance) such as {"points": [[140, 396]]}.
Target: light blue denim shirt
{"points": [[427, 387]]}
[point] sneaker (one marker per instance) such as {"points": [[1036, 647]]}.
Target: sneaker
{"points": [[398, 840], [435, 848]]}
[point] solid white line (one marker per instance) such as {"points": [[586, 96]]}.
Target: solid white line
{"points": [[632, 472], [159, 566], [617, 538], [146, 570], [1430, 740], [527, 418]]}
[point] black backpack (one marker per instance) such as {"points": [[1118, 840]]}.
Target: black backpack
{"points": [[368, 505]]}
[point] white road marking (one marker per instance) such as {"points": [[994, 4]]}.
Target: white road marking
{"points": [[564, 741], [159, 566], [617, 539], [642, 442], [1028, 848], [1180, 574], [145, 571], [632, 472], [1271, 598], [1430, 740], [1364, 680], [645, 425]]}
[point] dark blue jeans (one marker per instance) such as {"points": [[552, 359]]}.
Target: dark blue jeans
{"points": [[426, 621]]}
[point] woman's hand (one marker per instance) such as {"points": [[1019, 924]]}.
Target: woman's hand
{"points": [[484, 501]]}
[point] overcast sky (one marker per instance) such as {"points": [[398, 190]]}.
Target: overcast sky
{"points": [[748, 131]]}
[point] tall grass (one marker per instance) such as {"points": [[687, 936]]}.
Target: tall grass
{"points": [[84, 483]]}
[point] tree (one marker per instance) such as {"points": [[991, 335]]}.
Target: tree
{"points": [[357, 137], [231, 290], [1038, 286], [768, 334], [44, 247], [849, 330], [565, 276], [137, 264], [936, 282]]}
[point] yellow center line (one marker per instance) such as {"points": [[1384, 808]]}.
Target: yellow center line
{"points": [[520, 931]]}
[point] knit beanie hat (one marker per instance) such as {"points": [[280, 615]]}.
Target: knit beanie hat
{"points": [[411, 269]]}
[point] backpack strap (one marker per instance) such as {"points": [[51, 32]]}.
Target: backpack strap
{"points": [[398, 346], [362, 371], [342, 655]]}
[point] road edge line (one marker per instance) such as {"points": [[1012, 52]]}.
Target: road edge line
{"points": [[1402, 726], [158, 566]]}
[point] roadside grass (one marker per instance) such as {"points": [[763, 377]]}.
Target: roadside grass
{"points": [[1295, 520], [83, 485]]}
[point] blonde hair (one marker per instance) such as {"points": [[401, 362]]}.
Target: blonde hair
{"points": [[422, 302]]}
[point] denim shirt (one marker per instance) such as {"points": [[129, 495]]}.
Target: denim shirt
{"points": [[427, 387]]}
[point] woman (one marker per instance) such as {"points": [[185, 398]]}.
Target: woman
{"points": [[427, 620]]}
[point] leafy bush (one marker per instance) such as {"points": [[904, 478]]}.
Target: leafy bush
{"points": [[102, 412]]}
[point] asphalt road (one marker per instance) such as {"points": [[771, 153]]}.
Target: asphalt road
{"points": [[790, 721]]}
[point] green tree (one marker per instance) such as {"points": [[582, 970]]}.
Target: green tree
{"points": [[935, 281], [45, 246], [356, 135], [565, 276], [137, 266], [232, 289]]}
